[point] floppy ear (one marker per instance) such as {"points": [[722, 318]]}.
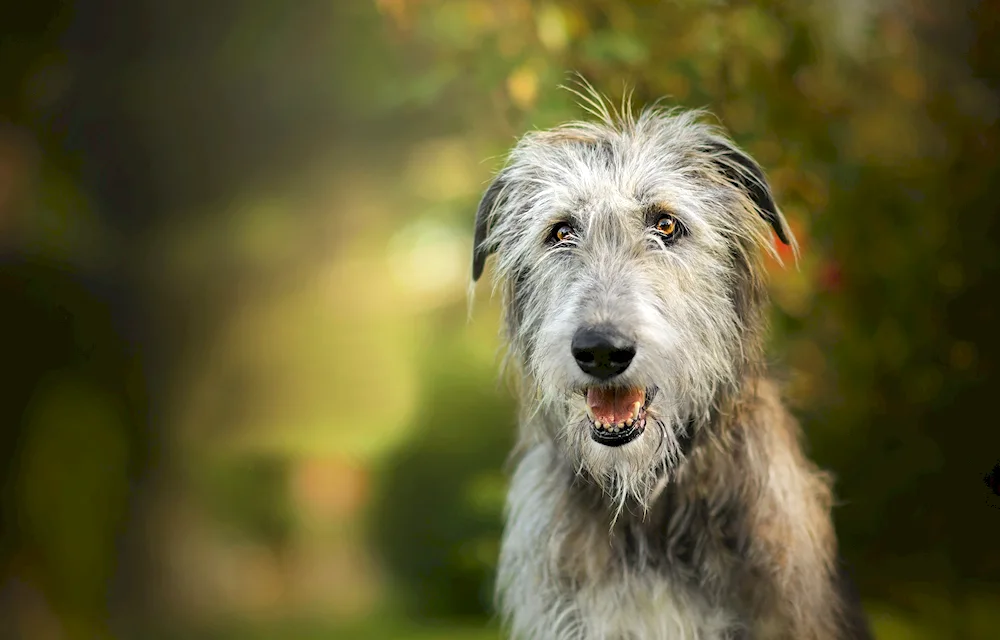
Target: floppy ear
{"points": [[484, 217], [744, 172]]}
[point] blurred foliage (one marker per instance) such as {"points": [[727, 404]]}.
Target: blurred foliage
{"points": [[235, 241], [249, 495], [437, 517], [323, 630]]}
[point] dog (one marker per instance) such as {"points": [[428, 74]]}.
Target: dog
{"points": [[659, 487]]}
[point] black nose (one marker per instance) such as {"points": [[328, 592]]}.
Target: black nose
{"points": [[602, 352]]}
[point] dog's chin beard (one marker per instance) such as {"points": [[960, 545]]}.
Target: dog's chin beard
{"points": [[630, 471], [627, 487]]}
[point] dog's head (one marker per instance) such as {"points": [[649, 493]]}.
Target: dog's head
{"points": [[630, 256]]}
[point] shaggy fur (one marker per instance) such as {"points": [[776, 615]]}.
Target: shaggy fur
{"points": [[711, 524]]}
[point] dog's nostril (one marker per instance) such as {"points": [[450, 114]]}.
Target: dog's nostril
{"points": [[623, 356], [602, 352]]}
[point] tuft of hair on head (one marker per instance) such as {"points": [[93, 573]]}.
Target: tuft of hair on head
{"points": [[599, 105], [591, 100]]}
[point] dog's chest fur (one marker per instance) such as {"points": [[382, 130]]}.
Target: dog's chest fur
{"points": [[645, 606], [673, 571]]}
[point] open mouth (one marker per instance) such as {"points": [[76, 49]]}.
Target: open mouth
{"points": [[617, 414]]}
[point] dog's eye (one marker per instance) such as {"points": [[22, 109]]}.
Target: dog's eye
{"points": [[667, 226], [561, 232]]}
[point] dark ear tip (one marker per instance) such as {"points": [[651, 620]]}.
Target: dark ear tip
{"points": [[780, 231], [478, 264]]}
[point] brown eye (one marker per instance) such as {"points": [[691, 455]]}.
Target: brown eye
{"points": [[561, 232], [667, 226]]}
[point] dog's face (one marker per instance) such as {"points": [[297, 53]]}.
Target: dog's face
{"points": [[630, 256]]}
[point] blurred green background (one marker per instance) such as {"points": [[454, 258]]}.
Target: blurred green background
{"points": [[241, 397]]}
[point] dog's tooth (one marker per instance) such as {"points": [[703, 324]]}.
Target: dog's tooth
{"points": [[629, 422]]}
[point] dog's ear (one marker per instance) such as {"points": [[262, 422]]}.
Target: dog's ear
{"points": [[744, 172], [484, 217]]}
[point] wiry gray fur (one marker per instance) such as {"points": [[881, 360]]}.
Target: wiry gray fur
{"points": [[710, 524]]}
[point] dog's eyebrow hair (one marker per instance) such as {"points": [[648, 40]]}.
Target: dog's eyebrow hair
{"points": [[570, 217], [657, 206]]}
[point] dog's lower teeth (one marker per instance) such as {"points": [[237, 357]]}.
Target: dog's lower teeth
{"points": [[626, 429]]}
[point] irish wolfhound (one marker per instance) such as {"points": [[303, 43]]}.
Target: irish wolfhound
{"points": [[660, 490]]}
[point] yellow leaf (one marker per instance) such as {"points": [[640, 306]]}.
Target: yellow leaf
{"points": [[522, 86], [552, 28]]}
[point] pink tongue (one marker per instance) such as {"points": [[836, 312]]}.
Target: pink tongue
{"points": [[613, 406]]}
